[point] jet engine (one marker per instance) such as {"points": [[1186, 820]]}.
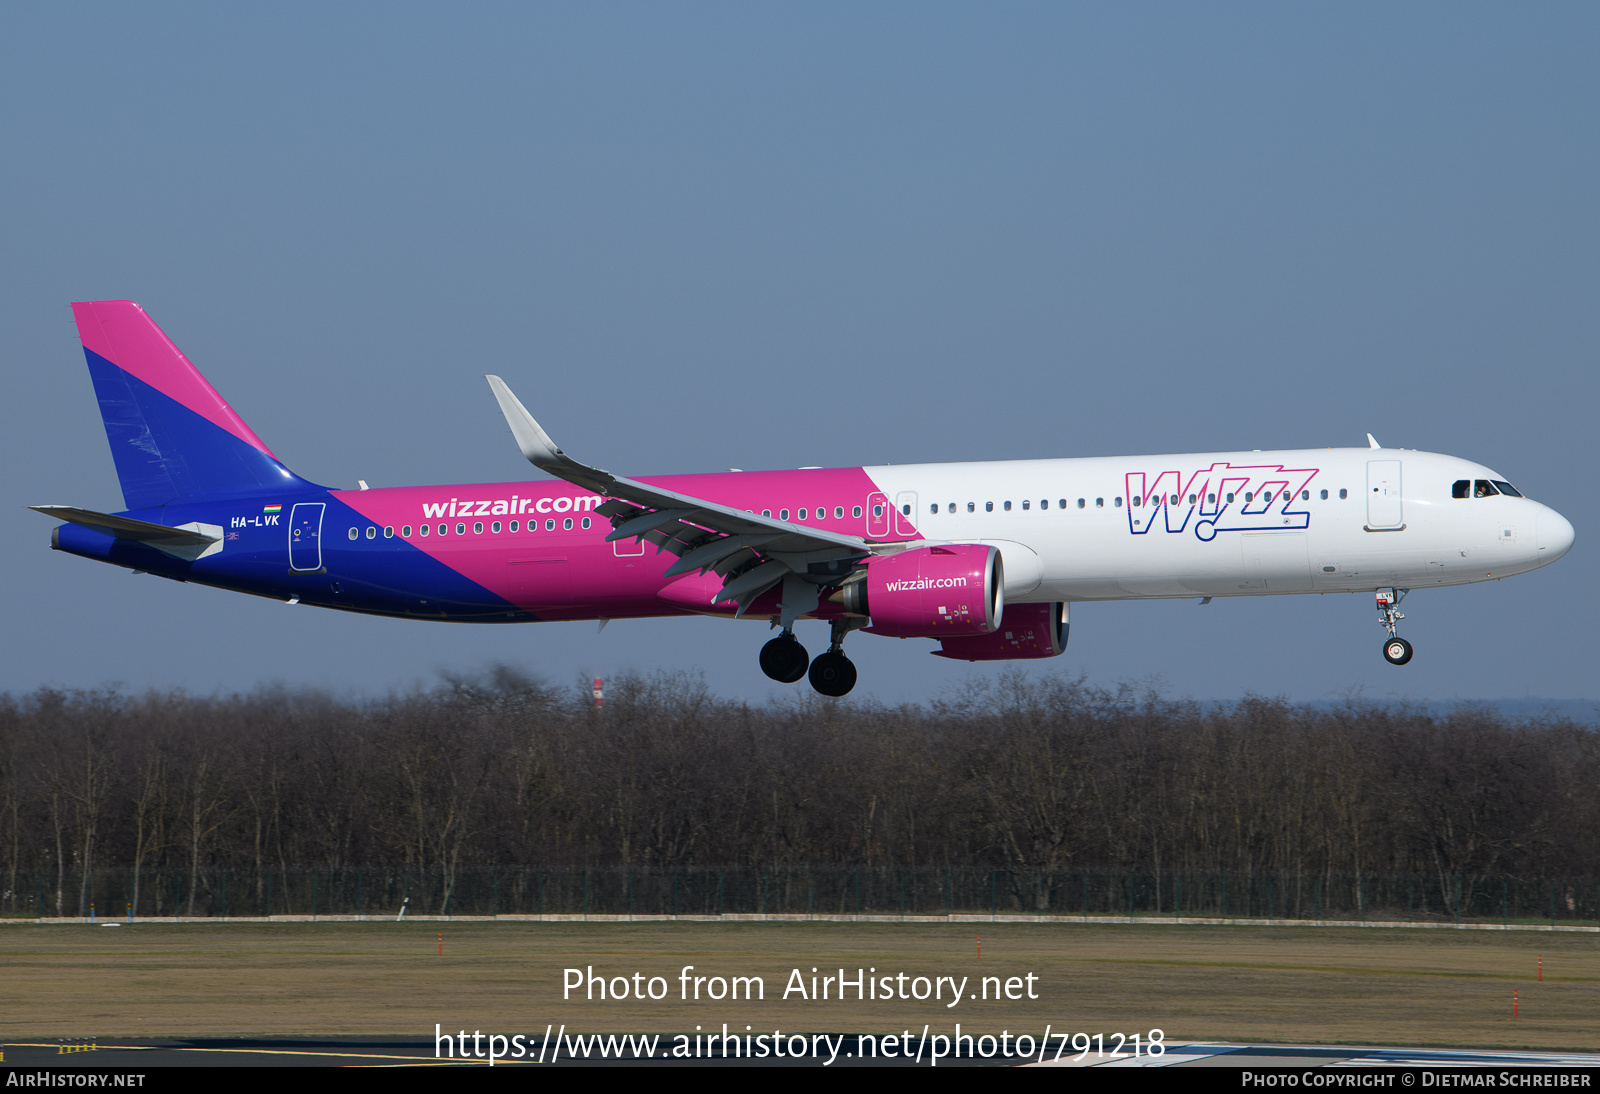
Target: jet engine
{"points": [[930, 592], [1029, 631]]}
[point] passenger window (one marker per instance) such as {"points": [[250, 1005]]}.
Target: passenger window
{"points": [[477, 528], [586, 522], [461, 529], [1080, 503], [1230, 497], [513, 526], [905, 510], [1007, 506], [1211, 499], [372, 531], [550, 524], [1137, 501], [856, 512], [1118, 501], [803, 512], [424, 529], [1174, 499], [354, 534], [838, 512], [952, 507], [495, 528], [1247, 496], [971, 507], [766, 512], [567, 524], [1305, 495], [388, 532], [988, 507], [1343, 494], [1061, 503], [932, 509], [1025, 503], [877, 511], [1193, 499], [1324, 495], [406, 531], [1099, 503], [1482, 489], [1506, 488]]}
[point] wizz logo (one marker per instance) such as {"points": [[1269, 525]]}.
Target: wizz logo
{"points": [[1220, 498]]}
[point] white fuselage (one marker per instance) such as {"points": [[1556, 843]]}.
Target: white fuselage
{"points": [[1299, 521]]}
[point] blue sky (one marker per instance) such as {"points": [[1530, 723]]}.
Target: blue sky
{"points": [[694, 237]]}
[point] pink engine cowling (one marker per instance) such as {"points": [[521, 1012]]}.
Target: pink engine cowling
{"points": [[1029, 631], [932, 592]]}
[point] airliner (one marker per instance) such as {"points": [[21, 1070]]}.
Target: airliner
{"points": [[982, 558]]}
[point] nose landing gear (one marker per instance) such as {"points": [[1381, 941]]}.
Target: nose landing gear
{"points": [[1396, 650]]}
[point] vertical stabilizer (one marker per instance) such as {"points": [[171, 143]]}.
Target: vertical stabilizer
{"points": [[172, 436]]}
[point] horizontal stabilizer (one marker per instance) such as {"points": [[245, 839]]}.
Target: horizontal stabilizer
{"points": [[191, 542]]}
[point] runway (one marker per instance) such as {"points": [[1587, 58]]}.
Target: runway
{"points": [[136, 1055], [1224, 1054]]}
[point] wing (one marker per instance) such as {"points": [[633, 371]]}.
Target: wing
{"points": [[752, 552]]}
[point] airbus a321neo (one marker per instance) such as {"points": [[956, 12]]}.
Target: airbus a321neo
{"points": [[983, 558]]}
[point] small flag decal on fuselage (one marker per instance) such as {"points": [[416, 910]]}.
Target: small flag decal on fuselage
{"points": [[272, 508]]}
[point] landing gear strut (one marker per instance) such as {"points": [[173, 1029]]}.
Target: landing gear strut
{"points": [[784, 659], [832, 673], [1396, 650]]}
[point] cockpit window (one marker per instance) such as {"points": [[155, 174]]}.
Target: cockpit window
{"points": [[1461, 488], [1507, 489], [1482, 489]]}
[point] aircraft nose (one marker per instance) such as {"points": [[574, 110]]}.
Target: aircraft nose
{"points": [[1555, 535]]}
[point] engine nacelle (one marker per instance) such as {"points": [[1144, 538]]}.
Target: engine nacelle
{"points": [[1029, 631], [931, 592]]}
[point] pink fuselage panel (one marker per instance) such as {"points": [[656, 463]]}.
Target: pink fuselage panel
{"points": [[556, 568]]}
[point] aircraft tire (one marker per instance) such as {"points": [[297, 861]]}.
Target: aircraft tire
{"points": [[784, 659], [1396, 651], [833, 674]]}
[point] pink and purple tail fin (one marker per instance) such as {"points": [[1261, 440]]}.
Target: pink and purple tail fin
{"points": [[172, 436]]}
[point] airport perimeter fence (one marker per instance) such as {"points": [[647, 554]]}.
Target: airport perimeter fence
{"points": [[880, 890]]}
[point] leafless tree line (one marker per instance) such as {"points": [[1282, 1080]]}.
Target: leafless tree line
{"points": [[1041, 774]]}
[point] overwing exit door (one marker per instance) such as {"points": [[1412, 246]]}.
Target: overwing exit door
{"points": [[905, 511]]}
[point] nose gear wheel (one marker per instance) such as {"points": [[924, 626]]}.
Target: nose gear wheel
{"points": [[1397, 651]]}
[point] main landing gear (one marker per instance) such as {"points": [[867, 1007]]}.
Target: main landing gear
{"points": [[785, 660], [1396, 650]]}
